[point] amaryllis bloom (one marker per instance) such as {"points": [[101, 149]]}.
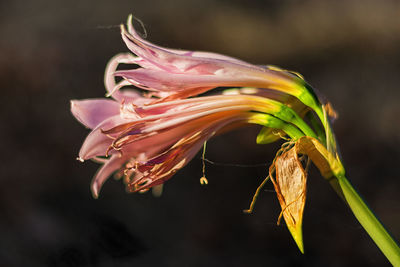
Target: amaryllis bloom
{"points": [[147, 137]]}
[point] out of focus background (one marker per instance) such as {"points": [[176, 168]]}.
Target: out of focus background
{"points": [[54, 51]]}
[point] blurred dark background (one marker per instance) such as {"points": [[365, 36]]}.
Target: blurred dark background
{"points": [[54, 51]]}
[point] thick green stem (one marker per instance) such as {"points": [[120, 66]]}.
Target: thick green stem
{"points": [[369, 222]]}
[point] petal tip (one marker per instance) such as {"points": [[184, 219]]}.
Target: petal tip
{"points": [[72, 104], [95, 190]]}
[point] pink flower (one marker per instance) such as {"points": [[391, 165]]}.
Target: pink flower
{"points": [[146, 139]]}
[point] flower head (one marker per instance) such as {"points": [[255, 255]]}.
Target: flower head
{"points": [[146, 138]]}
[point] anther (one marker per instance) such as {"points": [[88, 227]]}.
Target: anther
{"points": [[203, 180]]}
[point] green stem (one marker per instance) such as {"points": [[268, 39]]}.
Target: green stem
{"points": [[317, 127], [292, 131], [369, 221], [299, 122]]}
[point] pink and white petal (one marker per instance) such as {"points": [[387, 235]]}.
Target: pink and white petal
{"points": [[178, 120], [210, 55], [144, 50], [109, 79], [91, 112], [154, 144], [167, 60], [186, 62], [112, 165], [170, 135], [178, 61], [168, 111], [97, 143], [172, 82], [112, 87]]}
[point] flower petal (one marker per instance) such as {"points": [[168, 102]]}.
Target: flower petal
{"points": [[108, 168], [112, 87], [192, 84], [92, 112], [186, 53], [178, 61], [97, 143]]}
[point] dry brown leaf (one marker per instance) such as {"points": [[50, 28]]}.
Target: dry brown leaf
{"points": [[291, 178], [290, 186]]}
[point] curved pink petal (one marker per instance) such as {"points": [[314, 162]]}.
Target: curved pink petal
{"points": [[156, 117], [109, 167], [177, 61], [156, 80], [97, 143], [187, 53], [92, 112], [162, 67], [113, 87]]}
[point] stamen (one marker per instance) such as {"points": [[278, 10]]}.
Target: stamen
{"points": [[105, 132], [285, 147], [114, 147], [253, 201], [203, 179], [235, 165], [278, 133]]}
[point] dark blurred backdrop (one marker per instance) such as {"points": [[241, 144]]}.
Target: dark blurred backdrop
{"points": [[54, 51]]}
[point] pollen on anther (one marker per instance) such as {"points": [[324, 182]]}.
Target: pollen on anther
{"points": [[80, 159], [203, 180]]}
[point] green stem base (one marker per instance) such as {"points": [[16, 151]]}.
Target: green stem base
{"points": [[368, 220]]}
